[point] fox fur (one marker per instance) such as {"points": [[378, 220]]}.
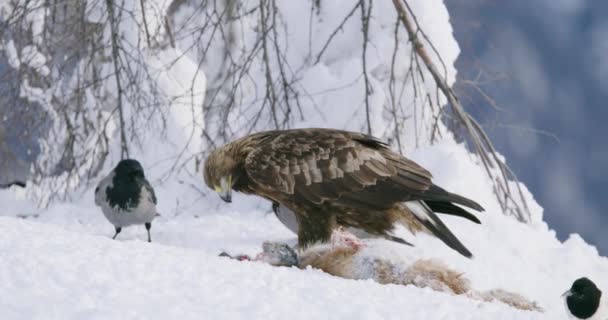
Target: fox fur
{"points": [[351, 263]]}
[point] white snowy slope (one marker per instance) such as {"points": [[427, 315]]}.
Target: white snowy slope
{"points": [[63, 264], [47, 272]]}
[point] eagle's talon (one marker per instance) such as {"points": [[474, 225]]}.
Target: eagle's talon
{"points": [[343, 238]]}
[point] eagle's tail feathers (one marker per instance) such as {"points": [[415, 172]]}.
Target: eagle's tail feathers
{"points": [[436, 193], [451, 209], [398, 240], [429, 219]]}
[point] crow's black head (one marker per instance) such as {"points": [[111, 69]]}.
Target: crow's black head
{"points": [[583, 298], [126, 185], [129, 167]]}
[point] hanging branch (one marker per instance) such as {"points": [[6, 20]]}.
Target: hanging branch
{"points": [[143, 15], [271, 95], [335, 32], [481, 142], [124, 149], [365, 16]]}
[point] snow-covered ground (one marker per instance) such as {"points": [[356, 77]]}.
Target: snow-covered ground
{"points": [[63, 264], [59, 262], [48, 272]]}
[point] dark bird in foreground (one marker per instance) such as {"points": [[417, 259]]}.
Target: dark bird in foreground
{"points": [[332, 178], [126, 197], [584, 301]]}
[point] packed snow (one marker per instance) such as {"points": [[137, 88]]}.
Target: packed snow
{"points": [[63, 264], [59, 262], [48, 272]]}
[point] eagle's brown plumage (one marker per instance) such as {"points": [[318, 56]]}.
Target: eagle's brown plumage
{"points": [[331, 177]]}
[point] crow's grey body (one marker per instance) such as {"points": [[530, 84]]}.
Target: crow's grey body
{"points": [[119, 217], [126, 197]]}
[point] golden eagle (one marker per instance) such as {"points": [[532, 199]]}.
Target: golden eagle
{"points": [[331, 178]]}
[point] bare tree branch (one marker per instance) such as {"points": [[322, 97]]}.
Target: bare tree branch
{"points": [[365, 16], [124, 148], [482, 144]]}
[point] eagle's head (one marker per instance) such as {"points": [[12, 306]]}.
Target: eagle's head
{"points": [[221, 172]]}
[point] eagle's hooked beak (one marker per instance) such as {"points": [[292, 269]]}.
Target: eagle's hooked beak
{"points": [[567, 294], [224, 190]]}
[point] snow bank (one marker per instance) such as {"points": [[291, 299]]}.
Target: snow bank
{"points": [[76, 276], [67, 252]]}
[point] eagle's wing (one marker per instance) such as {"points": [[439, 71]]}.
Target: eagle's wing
{"points": [[320, 165], [349, 169]]}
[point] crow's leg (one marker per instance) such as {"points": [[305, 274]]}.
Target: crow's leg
{"points": [[118, 229], [148, 227]]}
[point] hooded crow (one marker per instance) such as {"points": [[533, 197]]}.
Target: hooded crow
{"points": [[584, 301], [126, 197]]}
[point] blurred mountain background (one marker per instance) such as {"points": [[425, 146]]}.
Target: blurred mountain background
{"points": [[545, 68]]}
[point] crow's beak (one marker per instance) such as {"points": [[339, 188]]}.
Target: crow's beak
{"points": [[566, 294], [224, 190]]}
